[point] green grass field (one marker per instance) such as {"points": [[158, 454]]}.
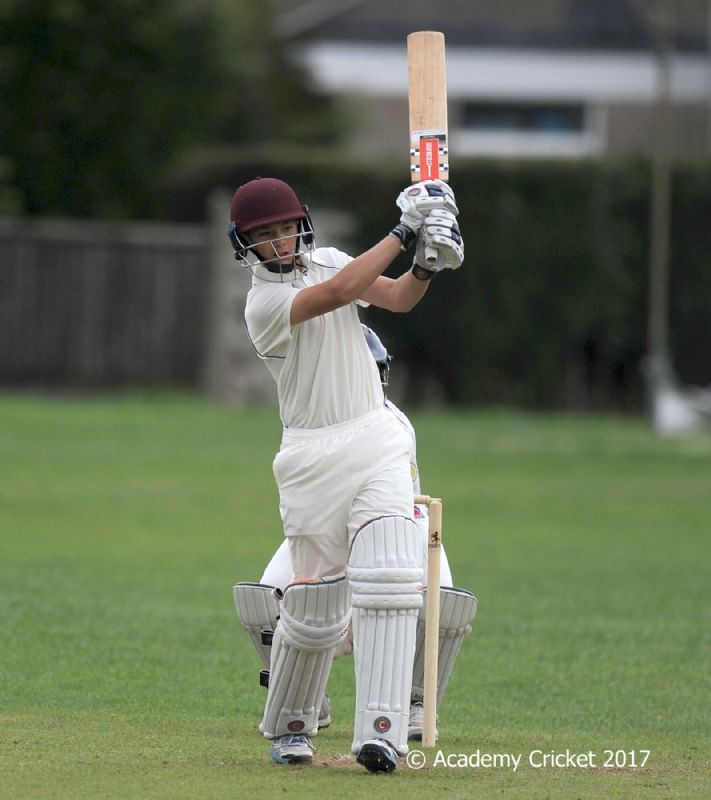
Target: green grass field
{"points": [[124, 522]]}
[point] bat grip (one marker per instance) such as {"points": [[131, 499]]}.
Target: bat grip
{"points": [[430, 255]]}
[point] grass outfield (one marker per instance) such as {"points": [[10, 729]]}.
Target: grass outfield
{"points": [[124, 523]]}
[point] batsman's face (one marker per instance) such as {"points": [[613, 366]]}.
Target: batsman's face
{"points": [[275, 243]]}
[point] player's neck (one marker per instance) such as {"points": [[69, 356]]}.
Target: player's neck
{"points": [[283, 269]]}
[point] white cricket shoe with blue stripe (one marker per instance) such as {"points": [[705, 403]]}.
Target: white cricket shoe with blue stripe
{"points": [[294, 748]]}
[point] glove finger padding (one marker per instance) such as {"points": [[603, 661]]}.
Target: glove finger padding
{"points": [[417, 200], [439, 242]]}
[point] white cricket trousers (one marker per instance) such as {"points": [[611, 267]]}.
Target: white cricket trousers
{"points": [[333, 480]]}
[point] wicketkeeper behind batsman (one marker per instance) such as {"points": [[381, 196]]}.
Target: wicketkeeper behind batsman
{"points": [[343, 468]]}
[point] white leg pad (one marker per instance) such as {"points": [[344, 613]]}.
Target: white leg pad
{"points": [[313, 618], [385, 573], [457, 608], [258, 610]]}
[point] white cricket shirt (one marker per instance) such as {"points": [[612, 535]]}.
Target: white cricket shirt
{"points": [[323, 368]]}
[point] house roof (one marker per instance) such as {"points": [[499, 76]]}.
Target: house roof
{"points": [[546, 24]]}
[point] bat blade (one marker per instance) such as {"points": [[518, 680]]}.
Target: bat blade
{"points": [[427, 95]]}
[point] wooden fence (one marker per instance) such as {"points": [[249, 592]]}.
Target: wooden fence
{"points": [[95, 304]]}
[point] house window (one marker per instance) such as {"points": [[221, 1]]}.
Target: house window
{"points": [[528, 129], [548, 117]]}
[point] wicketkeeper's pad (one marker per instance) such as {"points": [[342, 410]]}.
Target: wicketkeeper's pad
{"points": [[313, 617], [385, 573], [258, 610], [457, 608]]}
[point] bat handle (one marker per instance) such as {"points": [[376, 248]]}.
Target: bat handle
{"points": [[430, 255]]}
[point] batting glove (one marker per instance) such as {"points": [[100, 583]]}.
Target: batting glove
{"points": [[439, 243], [417, 200]]}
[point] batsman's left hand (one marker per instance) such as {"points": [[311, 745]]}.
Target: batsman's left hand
{"points": [[439, 242]]}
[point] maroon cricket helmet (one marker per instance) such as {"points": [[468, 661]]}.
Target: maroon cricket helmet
{"points": [[262, 202], [265, 201]]}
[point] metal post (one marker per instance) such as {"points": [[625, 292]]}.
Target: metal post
{"points": [[659, 362]]}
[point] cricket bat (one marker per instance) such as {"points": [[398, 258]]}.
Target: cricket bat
{"points": [[427, 95]]}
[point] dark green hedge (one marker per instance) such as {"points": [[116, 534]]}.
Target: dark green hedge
{"points": [[550, 308]]}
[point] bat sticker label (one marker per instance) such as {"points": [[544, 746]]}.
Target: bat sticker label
{"points": [[429, 154], [429, 159]]}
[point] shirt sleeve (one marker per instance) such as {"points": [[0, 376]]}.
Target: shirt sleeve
{"points": [[332, 258], [267, 315]]}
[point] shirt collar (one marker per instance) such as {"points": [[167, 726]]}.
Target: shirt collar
{"points": [[260, 272]]}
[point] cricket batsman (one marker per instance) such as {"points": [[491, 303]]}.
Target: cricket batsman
{"points": [[257, 604], [342, 470]]}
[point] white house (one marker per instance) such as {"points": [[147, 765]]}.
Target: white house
{"points": [[546, 78]]}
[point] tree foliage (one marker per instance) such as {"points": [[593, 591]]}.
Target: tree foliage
{"points": [[97, 99]]}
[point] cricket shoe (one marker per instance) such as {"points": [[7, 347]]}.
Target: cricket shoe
{"points": [[417, 721], [293, 748], [377, 755]]}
